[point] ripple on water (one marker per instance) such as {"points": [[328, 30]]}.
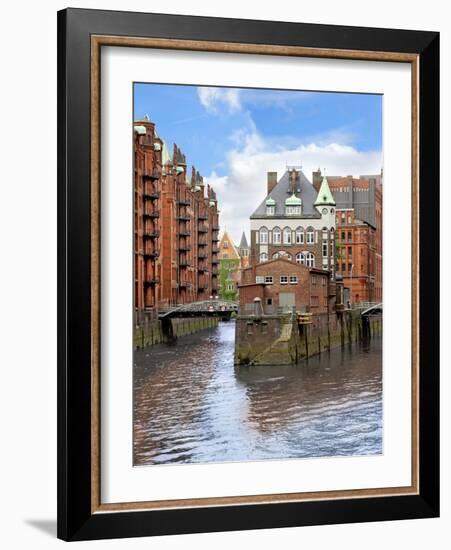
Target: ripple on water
{"points": [[192, 405]]}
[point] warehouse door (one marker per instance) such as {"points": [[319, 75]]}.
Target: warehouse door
{"points": [[286, 300]]}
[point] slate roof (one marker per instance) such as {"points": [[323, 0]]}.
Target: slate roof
{"points": [[243, 242], [282, 190]]}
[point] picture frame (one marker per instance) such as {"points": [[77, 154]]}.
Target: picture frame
{"points": [[81, 35]]}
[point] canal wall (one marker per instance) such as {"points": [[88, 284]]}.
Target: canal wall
{"points": [[158, 331], [280, 340]]}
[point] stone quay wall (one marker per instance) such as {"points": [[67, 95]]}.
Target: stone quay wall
{"points": [[279, 340], [156, 332]]}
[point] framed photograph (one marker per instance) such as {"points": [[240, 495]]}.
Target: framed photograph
{"points": [[248, 274]]}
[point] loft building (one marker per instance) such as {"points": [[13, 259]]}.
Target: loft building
{"points": [[176, 227], [359, 233], [295, 222]]}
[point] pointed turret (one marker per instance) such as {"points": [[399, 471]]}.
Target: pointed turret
{"points": [[325, 197], [243, 242]]}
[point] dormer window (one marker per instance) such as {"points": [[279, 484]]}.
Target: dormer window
{"points": [[293, 206], [292, 210], [270, 206], [270, 210]]}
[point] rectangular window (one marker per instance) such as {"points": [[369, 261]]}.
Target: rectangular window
{"points": [[350, 251], [313, 279], [259, 279], [283, 279], [349, 268], [325, 251], [349, 236], [269, 301], [293, 279], [343, 268], [268, 279], [270, 210]]}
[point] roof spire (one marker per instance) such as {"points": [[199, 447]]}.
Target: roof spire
{"points": [[325, 196]]}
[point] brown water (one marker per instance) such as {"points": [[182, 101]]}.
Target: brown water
{"points": [[192, 405]]}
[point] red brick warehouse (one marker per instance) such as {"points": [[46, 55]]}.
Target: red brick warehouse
{"points": [[176, 227]]}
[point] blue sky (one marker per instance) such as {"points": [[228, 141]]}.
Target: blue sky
{"points": [[234, 136]]}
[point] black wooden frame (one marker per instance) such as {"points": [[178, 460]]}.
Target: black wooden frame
{"points": [[75, 520]]}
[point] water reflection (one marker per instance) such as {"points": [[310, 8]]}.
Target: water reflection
{"points": [[192, 405]]}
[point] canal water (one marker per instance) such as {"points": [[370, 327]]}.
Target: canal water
{"points": [[192, 405]]}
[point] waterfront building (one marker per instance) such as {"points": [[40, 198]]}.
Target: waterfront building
{"points": [[356, 258], [359, 201], [296, 222], [176, 227], [281, 285], [229, 268]]}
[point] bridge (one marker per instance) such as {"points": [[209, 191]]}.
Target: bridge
{"points": [[375, 309], [217, 308]]}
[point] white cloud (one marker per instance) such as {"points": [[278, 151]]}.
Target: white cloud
{"points": [[244, 186], [211, 98]]}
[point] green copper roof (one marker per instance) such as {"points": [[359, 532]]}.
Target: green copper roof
{"points": [[145, 118], [140, 129], [157, 147], [293, 201], [165, 156], [212, 203], [179, 169], [270, 201], [324, 195]]}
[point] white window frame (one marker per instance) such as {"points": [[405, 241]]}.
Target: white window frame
{"points": [[287, 235], [299, 239], [263, 257], [310, 236], [270, 210], [300, 258], [268, 280], [284, 279], [310, 259], [263, 232], [277, 232], [293, 280]]}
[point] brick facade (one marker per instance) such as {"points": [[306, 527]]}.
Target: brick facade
{"points": [[363, 198], [282, 284], [357, 259], [176, 227]]}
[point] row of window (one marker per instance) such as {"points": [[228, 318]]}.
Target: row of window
{"points": [[301, 236], [304, 258], [284, 279]]}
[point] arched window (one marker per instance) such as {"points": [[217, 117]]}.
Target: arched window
{"points": [[310, 235], [263, 235], [263, 257], [276, 236], [300, 258], [275, 255], [310, 259], [325, 234], [287, 235], [286, 255], [299, 235]]}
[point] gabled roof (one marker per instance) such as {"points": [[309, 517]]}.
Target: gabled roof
{"points": [[325, 196], [282, 191], [231, 251]]}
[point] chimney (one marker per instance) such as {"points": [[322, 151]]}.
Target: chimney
{"points": [[316, 179], [272, 181]]}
